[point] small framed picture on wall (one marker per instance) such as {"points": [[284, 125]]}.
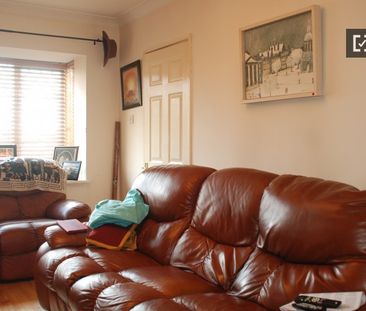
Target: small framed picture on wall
{"points": [[131, 85]]}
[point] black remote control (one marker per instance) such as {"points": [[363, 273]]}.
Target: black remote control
{"points": [[328, 303], [308, 307]]}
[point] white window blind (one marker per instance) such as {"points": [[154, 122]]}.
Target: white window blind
{"points": [[35, 106]]}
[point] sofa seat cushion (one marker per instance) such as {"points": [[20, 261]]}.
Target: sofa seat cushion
{"points": [[169, 280], [17, 266], [197, 302], [94, 278], [84, 261], [124, 290], [22, 236]]}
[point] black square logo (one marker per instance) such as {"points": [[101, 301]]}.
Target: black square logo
{"points": [[356, 42]]}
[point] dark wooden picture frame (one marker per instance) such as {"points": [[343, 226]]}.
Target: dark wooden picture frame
{"points": [[131, 85], [8, 151], [72, 169], [62, 154]]}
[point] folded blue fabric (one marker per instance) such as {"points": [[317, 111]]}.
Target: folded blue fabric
{"points": [[132, 210]]}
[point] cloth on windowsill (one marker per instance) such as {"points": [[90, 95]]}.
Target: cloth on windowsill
{"points": [[25, 174]]}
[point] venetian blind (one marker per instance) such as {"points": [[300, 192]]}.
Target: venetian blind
{"points": [[35, 106]]}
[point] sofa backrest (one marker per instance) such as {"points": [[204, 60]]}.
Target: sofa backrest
{"points": [[312, 238], [224, 227], [171, 193], [24, 205]]}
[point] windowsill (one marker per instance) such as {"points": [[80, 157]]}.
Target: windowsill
{"points": [[77, 182]]}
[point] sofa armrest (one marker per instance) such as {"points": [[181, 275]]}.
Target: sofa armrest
{"points": [[68, 209], [57, 237]]}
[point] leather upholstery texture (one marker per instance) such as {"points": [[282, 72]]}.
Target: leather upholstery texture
{"points": [[230, 239], [23, 219]]}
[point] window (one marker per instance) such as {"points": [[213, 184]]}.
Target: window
{"points": [[36, 104]]}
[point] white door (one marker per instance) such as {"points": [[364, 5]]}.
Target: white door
{"points": [[166, 92]]}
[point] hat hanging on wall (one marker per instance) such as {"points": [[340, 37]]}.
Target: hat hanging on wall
{"points": [[109, 45]]}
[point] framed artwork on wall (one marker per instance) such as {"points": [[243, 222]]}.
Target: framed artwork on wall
{"points": [[8, 151], [281, 57], [131, 85], [62, 154]]}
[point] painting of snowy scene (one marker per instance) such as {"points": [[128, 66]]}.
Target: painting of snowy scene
{"points": [[281, 57]]}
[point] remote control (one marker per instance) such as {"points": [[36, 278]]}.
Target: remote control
{"points": [[328, 303], [308, 307]]}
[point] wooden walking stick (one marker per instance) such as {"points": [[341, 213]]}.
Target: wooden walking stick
{"points": [[116, 159]]}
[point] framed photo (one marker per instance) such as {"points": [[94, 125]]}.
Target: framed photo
{"points": [[281, 58], [8, 151], [62, 154], [131, 85], [72, 169]]}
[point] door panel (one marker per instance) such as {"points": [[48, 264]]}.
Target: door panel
{"points": [[175, 128], [166, 91]]}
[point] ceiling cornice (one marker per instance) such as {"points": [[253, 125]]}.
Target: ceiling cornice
{"points": [[144, 8], [30, 10]]}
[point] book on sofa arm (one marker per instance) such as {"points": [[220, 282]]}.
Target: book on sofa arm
{"points": [[72, 226]]}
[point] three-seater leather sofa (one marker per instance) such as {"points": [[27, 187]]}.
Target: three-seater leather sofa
{"points": [[231, 239]]}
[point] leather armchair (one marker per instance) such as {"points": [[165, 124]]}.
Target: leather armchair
{"points": [[23, 218]]}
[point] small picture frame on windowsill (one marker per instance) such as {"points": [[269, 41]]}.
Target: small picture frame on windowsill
{"points": [[8, 151], [62, 154], [72, 169]]}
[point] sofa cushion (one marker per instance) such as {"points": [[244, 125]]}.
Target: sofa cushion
{"points": [[9, 208], [224, 227], [124, 296], [35, 204], [314, 212], [96, 259], [122, 291], [27, 205], [169, 280], [312, 239], [19, 236], [84, 292], [207, 301], [171, 192]]}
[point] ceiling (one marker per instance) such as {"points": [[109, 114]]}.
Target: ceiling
{"points": [[107, 8]]}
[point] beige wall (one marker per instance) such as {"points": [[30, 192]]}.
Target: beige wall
{"points": [[321, 137], [102, 83]]}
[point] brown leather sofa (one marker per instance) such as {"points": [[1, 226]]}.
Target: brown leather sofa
{"points": [[23, 219], [232, 239]]}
